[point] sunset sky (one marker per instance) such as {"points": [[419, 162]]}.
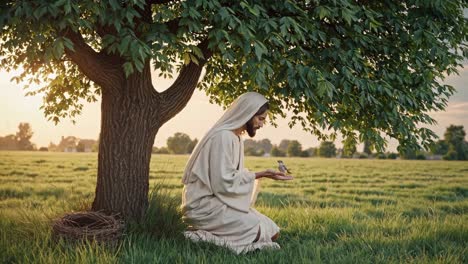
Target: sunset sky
{"points": [[194, 120]]}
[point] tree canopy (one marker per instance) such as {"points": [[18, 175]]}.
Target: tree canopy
{"points": [[349, 147], [454, 137], [294, 149], [366, 69], [327, 149], [20, 141], [181, 143]]}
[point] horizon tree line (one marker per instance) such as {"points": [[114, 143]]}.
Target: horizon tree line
{"points": [[452, 147]]}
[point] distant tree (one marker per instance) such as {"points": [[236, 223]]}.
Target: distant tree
{"points": [[454, 135], [250, 151], [277, 152], [381, 156], [367, 147], [294, 149], [284, 144], [363, 156], [162, 150], [455, 138], [8, 142], [412, 154], [266, 145], [408, 154], [191, 146], [312, 151], [451, 154], [420, 156], [80, 147], [349, 147], [305, 154], [179, 143], [43, 149], [250, 144], [439, 148], [257, 148], [23, 136], [52, 147], [327, 149], [392, 156]]}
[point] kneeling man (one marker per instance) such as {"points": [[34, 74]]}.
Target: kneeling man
{"points": [[218, 190]]}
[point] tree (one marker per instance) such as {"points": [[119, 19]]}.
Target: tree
{"points": [[265, 145], [440, 148], [349, 147], [250, 145], [277, 152], [370, 68], [294, 149], [162, 150], [284, 144], [20, 141], [23, 136], [327, 149], [191, 146], [411, 154], [455, 138], [312, 152], [257, 148], [254, 152], [367, 147], [8, 142], [180, 143], [52, 147]]}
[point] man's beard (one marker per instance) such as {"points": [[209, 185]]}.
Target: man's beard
{"points": [[251, 130]]}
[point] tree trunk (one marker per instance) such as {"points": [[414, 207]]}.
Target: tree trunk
{"points": [[125, 145], [131, 113]]}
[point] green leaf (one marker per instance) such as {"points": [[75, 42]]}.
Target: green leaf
{"points": [[325, 88], [322, 12], [123, 46], [260, 49], [196, 50], [58, 48], [347, 15], [114, 5], [186, 58], [128, 68], [68, 44]]}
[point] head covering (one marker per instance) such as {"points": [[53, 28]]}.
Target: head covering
{"points": [[237, 115]]}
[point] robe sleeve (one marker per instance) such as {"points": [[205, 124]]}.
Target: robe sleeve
{"points": [[225, 178]]}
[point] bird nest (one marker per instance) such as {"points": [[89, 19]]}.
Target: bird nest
{"points": [[92, 226]]}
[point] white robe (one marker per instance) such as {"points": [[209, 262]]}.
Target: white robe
{"points": [[217, 205]]}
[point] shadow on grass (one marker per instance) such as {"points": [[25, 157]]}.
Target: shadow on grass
{"points": [[163, 217]]}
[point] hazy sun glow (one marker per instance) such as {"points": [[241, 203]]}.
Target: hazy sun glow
{"points": [[16, 108]]}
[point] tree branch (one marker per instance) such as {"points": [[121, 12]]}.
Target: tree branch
{"points": [[176, 97], [94, 65]]}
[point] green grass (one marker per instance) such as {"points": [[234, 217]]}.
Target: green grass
{"points": [[334, 211]]}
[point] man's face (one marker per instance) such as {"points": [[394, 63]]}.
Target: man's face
{"points": [[255, 123]]}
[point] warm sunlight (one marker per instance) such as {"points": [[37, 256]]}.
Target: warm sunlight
{"points": [[194, 120]]}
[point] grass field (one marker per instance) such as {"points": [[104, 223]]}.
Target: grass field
{"points": [[334, 211]]}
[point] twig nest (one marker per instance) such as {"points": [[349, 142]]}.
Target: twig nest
{"points": [[93, 226]]}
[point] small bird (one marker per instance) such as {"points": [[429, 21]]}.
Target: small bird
{"points": [[282, 167]]}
